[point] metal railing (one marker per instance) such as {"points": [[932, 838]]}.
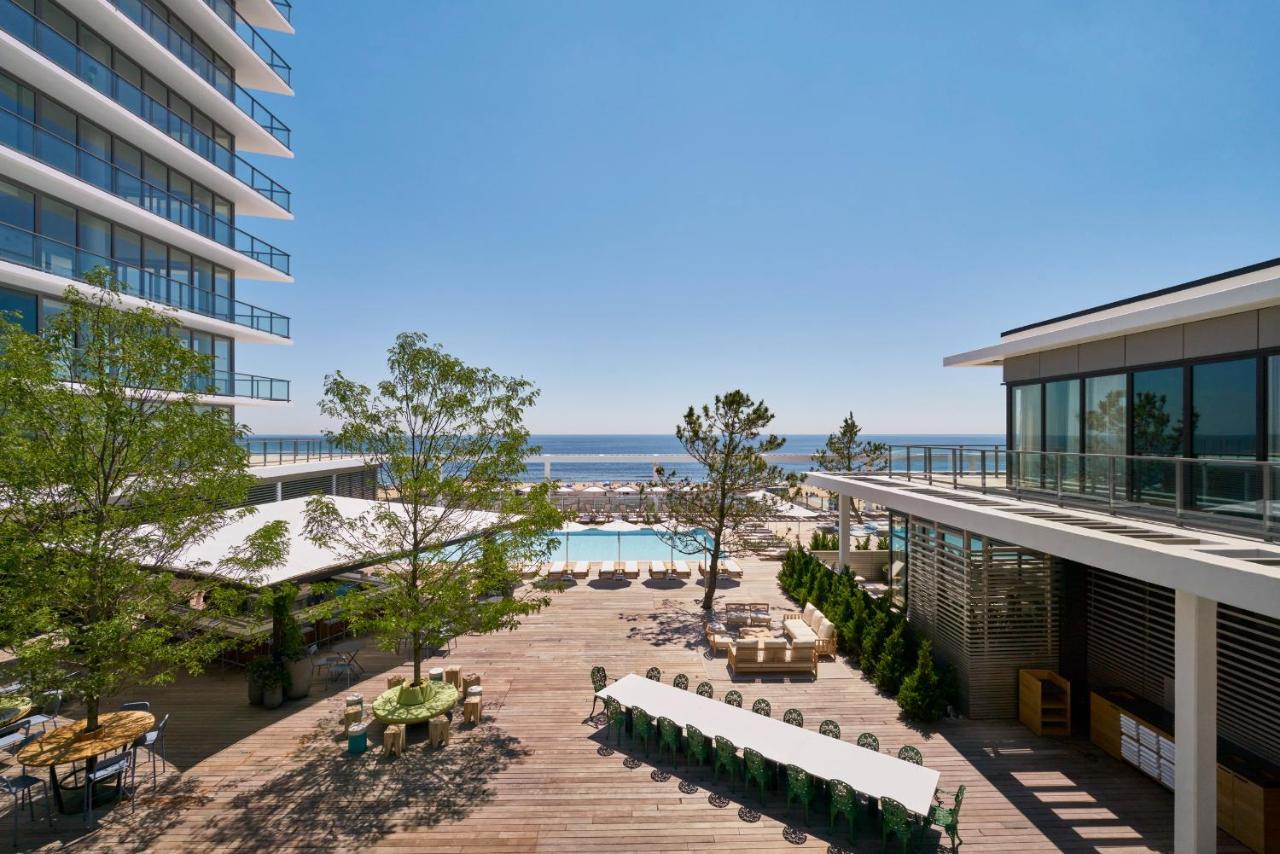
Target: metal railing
{"points": [[181, 47], [232, 384], [52, 45], [1223, 492], [19, 246], [286, 9], [250, 36], [22, 134], [271, 452]]}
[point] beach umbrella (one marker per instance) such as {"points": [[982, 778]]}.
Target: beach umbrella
{"points": [[568, 528], [625, 490], [620, 527], [594, 489]]}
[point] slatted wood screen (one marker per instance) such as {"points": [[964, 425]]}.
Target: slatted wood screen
{"points": [[1131, 645], [306, 486], [358, 484], [990, 608], [262, 493]]}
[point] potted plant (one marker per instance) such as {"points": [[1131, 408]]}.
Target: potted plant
{"points": [[273, 677], [293, 653], [256, 671]]}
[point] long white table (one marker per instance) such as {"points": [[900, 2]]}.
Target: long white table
{"points": [[875, 774]]}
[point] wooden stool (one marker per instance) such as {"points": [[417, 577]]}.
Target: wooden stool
{"points": [[393, 740], [453, 675], [394, 682], [471, 711], [438, 731], [469, 680], [353, 715]]}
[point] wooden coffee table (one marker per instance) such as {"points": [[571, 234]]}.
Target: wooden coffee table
{"points": [[756, 633]]}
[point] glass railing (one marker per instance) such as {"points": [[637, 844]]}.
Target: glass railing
{"points": [[49, 148], [1228, 493], [232, 384], [251, 37], [182, 48], [54, 46], [19, 246], [274, 452], [286, 9]]}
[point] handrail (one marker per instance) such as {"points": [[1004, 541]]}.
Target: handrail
{"points": [[185, 51], [234, 384], [38, 252], [26, 136], [286, 9], [250, 36], [266, 452], [52, 45]]}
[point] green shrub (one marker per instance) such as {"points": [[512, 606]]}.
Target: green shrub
{"points": [[872, 639], [892, 663], [922, 697], [820, 542]]}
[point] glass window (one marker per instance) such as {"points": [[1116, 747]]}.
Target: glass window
{"points": [[17, 307], [95, 241], [1157, 432], [1027, 434], [127, 250], [95, 155], [155, 260], [1062, 432], [17, 213], [57, 221], [1105, 426], [56, 144], [1224, 425], [17, 99], [129, 175]]}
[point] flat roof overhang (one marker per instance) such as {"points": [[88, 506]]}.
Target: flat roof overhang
{"points": [[1258, 287], [1233, 581]]}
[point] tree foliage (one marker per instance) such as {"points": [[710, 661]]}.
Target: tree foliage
{"points": [[448, 441], [111, 471], [726, 438], [846, 451]]}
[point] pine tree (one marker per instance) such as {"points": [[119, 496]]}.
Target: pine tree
{"points": [[891, 666], [872, 639], [922, 697]]}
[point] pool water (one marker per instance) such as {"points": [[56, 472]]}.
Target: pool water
{"points": [[644, 544]]}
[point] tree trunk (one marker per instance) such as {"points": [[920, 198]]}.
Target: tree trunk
{"points": [[90, 713], [417, 657], [713, 571]]}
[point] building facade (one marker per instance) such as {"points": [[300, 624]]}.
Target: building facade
{"points": [[1123, 537]]}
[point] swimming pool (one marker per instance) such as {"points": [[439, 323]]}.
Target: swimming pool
{"points": [[644, 544]]}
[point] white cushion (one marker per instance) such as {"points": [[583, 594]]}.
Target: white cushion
{"points": [[808, 611], [827, 629]]}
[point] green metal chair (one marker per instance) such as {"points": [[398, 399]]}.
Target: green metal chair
{"points": [[669, 739], [615, 716], [799, 785], [895, 821], [697, 745], [869, 741], [653, 673], [762, 707], [949, 818], [844, 801], [681, 681], [726, 756], [907, 753], [830, 728], [705, 690], [734, 698], [793, 717], [757, 769], [598, 680], [641, 726]]}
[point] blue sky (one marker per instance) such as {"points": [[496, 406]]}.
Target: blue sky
{"points": [[638, 205]]}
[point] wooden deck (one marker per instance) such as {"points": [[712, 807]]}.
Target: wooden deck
{"points": [[532, 777]]}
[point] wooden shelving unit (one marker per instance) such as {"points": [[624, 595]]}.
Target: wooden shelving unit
{"points": [[1044, 702]]}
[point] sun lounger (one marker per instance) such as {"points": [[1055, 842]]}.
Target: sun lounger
{"points": [[607, 571], [631, 569], [555, 571], [729, 567], [530, 571], [657, 569], [581, 569], [682, 569]]}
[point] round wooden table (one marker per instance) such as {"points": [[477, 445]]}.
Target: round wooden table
{"points": [[13, 708], [70, 743]]}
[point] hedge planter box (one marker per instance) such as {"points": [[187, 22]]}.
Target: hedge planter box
{"points": [[870, 564]]}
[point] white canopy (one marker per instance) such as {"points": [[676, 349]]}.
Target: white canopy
{"points": [[571, 527], [625, 490], [595, 489], [619, 526]]}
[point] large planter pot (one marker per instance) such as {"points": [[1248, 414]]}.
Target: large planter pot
{"points": [[255, 692], [299, 679], [272, 697]]}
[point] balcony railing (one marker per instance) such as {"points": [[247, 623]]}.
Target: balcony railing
{"points": [[274, 452], [232, 384], [24, 135], [52, 45], [251, 37], [20, 246], [1223, 493], [185, 51], [286, 9]]}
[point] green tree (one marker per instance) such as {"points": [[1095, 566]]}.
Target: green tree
{"points": [[448, 441], [892, 663], [111, 471], [728, 440], [872, 639], [922, 697], [846, 451]]}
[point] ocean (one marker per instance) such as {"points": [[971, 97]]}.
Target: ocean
{"points": [[667, 444]]}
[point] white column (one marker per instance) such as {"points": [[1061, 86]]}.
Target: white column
{"points": [[546, 470], [843, 503], [279, 490], [1195, 697]]}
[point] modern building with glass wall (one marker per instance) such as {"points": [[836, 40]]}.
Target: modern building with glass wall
{"points": [[1124, 536], [128, 140]]}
